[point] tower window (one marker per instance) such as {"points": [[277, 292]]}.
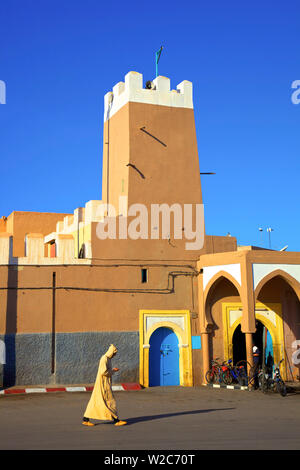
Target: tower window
{"points": [[144, 275]]}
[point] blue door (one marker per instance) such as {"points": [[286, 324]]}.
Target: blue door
{"points": [[163, 358], [269, 354]]}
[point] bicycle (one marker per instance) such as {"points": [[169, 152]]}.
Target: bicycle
{"points": [[259, 378], [276, 382], [213, 375], [237, 373]]}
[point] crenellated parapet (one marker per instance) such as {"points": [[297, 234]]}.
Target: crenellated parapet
{"points": [[160, 93], [35, 251]]}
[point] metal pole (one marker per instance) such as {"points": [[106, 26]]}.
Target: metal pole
{"points": [[261, 236], [157, 57], [269, 229]]}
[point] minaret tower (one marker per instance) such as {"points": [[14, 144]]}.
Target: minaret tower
{"points": [[150, 147]]}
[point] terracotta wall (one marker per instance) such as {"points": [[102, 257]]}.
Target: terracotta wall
{"points": [[20, 223], [30, 310], [220, 244], [3, 224], [165, 158]]}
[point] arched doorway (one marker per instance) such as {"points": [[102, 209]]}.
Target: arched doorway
{"points": [[163, 358], [223, 291], [281, 288], [261, 338], [238, 345]]}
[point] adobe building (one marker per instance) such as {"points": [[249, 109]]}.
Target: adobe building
{"points": [[170, 297]]}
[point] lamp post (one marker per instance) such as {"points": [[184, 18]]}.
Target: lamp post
{"points": [[261, 235], [269, 229]]}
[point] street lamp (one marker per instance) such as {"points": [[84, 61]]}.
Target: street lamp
{"points": [[261, 235], [269, 229]]}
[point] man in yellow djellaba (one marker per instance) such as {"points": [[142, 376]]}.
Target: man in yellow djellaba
{"points": [[102, 404]]}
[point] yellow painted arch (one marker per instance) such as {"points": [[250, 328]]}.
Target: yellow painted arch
{"points": [[276, 332], [184, 343]]}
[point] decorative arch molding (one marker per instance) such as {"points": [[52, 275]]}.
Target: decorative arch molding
{"points": [[179, 322], [293, 282], [217, 277], [214, 280], [269, 314], [165, 324], [210, 272]]}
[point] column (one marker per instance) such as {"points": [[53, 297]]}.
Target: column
{"points": [[205, 353], [249, 345]]}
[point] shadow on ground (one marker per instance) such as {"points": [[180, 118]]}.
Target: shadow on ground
{"points": [[140, 419]]}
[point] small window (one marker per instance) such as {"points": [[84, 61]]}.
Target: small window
{"points": [[26, 245], [82, 251], [144, 275], [52, 249]]}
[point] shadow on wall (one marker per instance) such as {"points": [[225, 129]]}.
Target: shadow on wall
{"points": [[9, 368]]}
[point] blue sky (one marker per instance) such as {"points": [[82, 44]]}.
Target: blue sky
{"points": [[59, 58]]}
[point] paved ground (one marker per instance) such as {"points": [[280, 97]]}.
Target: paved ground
{"points": [[158, 418]]}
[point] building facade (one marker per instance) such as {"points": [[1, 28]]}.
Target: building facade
{"points": [[137, 269]]}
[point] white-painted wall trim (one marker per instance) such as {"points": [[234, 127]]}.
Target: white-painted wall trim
{"points": [[132, 91], [262, 270], [235, 315], [152, 320], [210, 271]]}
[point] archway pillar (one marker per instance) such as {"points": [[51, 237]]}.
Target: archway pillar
{"points": [[248, 326], [203, 325], [205, 353], [249, 346], [247, 297], [248, 323]]}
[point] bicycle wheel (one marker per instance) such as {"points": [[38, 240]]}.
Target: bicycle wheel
{"points": [[217, 376], [226, 377], [245, 364], [253, 378], [209, 376], [242, 376], [263, 383], [281, 388]]}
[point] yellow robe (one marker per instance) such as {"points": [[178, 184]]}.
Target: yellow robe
{"points": [[102, 404]]}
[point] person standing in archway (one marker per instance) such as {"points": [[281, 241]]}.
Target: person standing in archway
{"points": [[256, 357], [102, 404]]}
